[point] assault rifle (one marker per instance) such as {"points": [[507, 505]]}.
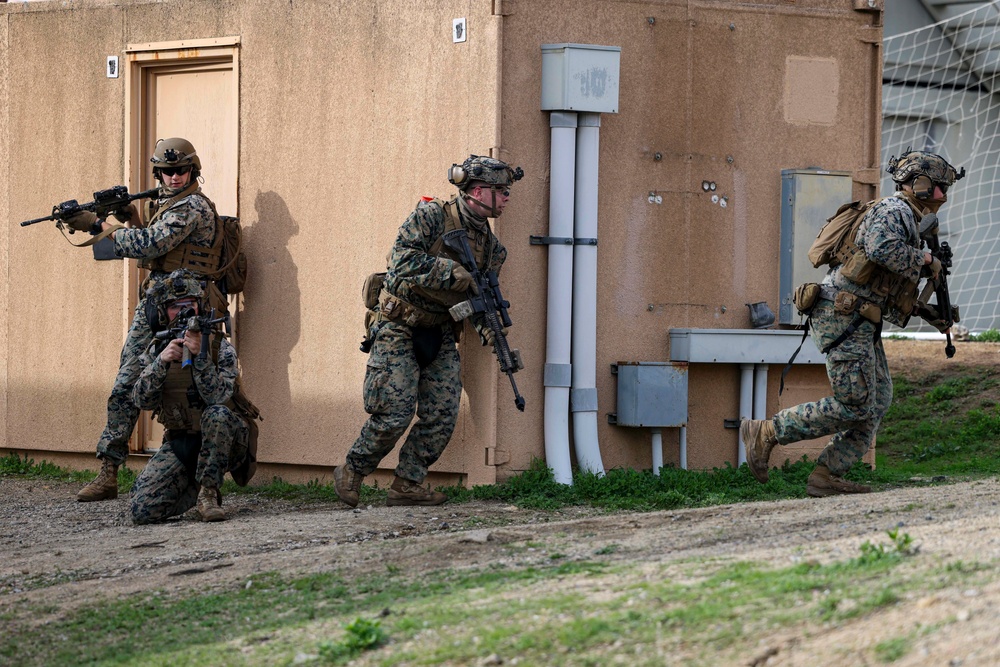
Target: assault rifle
{"points": [[188, 321], [105, 203], [943, 310], [489, 303]]}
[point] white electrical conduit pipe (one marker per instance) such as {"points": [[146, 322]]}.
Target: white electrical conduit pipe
{"points": [[583, 397], [557, 378]]}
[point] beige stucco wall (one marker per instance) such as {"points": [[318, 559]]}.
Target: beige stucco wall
{"points": [[706, 85], [349, 112]]}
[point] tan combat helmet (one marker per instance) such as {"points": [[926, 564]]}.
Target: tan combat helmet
{"points": [[925, 170], [175, 152]]}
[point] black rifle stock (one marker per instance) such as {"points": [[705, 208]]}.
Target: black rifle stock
{"points": [[105, 202], [190, 322], [490, 304], [941, 251]]}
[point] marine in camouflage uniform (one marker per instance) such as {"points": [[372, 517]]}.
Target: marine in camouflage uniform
{"points": [[182, 216], [888, 238], [205, 437], [414, 365]]}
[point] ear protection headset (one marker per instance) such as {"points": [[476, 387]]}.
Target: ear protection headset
{"points": [[923, 187]]}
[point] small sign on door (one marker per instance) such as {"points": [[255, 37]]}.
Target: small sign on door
{"points": [[458, 31]]}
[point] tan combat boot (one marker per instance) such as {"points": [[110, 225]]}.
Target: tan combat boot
{"points": [[347, 484], [758, 439], [104, 486], [405, 492], [822, 483], [209, 504]]}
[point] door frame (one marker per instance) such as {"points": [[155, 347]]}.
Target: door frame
{"points": [[141, 60]]}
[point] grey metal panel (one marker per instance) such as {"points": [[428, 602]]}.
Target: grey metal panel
{"points": [[741, 346], [580, 77], [558, 375], [583, 400], [808, 198], [652, 394]]}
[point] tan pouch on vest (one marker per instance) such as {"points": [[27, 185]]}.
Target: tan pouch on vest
{"points": [[858, 268], [371, 289], [805, 297]]}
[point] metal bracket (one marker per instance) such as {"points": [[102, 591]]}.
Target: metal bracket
{"points": [[559, 240], [613, 418], [614, 369], [730, 423]]}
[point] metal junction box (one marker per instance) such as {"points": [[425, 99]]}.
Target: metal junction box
{"points": [[580, 77], [652, 394], [808, 198]]}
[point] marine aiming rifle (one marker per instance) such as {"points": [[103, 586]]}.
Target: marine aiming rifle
{"points": [[490, 304], [943, 311], [106, 202], [188, 321]]}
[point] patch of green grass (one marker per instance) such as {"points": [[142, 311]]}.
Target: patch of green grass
{"points": [[12, 465], [988, 336], [360, 635], [570, 612], [892, 650]]}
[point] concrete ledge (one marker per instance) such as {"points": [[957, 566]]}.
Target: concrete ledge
{"points": [[741, 346]]}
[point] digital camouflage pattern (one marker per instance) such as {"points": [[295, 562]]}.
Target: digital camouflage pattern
{"points": [[862, 392], [395, 388], [191, 220], [215, 383], [889, 234], [411, 264], [166, 487]]}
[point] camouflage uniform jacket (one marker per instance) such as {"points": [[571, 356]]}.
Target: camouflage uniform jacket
{"points": [[190, 220], [215, 382], [410, 261], [890, 237]]}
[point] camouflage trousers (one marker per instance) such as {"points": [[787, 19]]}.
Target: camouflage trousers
{"points": [[395, 388], [168, 486], [122, 413], [862, 392]]}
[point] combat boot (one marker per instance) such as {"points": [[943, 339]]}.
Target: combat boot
{"points": [[405, 492], [209, 501], [758, 439], [347, 483], [104, 486], [822, 483]]}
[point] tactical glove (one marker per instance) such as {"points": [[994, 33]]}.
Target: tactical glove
{"points": [[489, 337], [461, 280], [125, 214], [81, 222]]}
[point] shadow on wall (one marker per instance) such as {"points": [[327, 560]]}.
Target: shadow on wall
{"points": [[271, 320]]}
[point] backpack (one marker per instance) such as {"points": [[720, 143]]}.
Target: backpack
{"points": [[232, 274], [829, 246]]}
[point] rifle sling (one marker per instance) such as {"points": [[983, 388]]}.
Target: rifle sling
{"points": [[93, 239]]}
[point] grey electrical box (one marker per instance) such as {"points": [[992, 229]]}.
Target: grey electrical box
{"points": [[580, 77], [808, 198], [652, 394]]}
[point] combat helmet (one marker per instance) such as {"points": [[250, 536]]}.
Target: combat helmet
{"points": [[925, 170], [178, 285], [487, 170], [175, 152]]}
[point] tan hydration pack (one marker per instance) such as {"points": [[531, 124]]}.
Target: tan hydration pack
{"points": [[830, 245]]}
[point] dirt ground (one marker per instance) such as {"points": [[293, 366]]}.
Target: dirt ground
{"points": [[56, 551]]}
